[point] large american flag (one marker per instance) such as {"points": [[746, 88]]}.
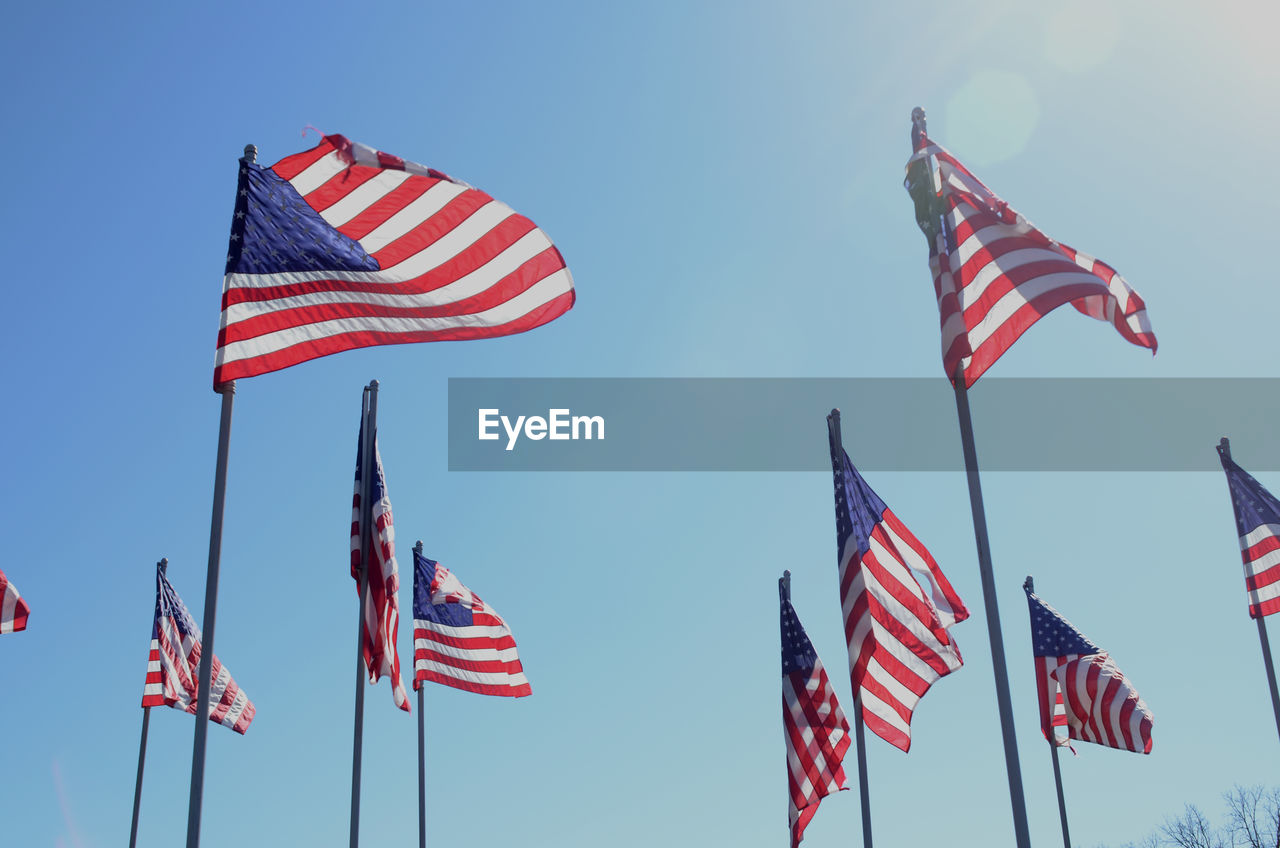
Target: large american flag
{"points": [[173, 666], [815, 727], [1258, 525], [995, 274], [344, 246], [13, 610], [897, 630], [458, 639], [1081, 689], [382, 609]]}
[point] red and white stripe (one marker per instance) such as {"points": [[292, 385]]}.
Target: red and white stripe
{"points": [[997, 274], [817, 739], [173, 669], [897, 633], [1260, 549], [382, 607], [1053, 713], [480, 657], [13, 610], [1101, 706], [455, 264]]}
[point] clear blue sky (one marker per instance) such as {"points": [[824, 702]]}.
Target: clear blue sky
{"points": [[724, 180]]}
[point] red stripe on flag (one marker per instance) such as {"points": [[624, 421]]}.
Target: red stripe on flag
{"points": [[304, 351]]}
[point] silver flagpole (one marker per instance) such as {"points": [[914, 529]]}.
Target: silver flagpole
{"points": [[142, 753], [228, 392], [1224, 449], [368, 425], [930, 215], [998, 666], [1030, 585], [422, 743], [859, 733]]}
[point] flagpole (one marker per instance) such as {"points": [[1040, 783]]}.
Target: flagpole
{"points": [[1062, 803], [931, 217], [1030, 585], [1224, 449], [422, 744], [162, 565], [228, 392], [369, 417], [1012, 766], [859, 733]]}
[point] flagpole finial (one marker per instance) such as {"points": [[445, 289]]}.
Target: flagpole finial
{"points": [[834, 439], [417, 547], [1029, 584], [1224, 448], [250, 153], [784, 585], [163, 565]]}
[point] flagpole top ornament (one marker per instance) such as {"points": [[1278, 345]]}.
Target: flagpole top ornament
{"points": [[250, 153], [917, 117], [417, 547], [1029, 584], [1224, 448], [163, 565], [784, 585]]}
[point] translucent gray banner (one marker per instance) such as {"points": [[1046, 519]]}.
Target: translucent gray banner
{"points": [[642, 424]]}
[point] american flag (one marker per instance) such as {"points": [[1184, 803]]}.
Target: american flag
{"points": [[995, 274], [173, 667], [1081, 689], [1258, 525], [897, 632], [816, 729], [382, 610], [344, 246], [458, 639], [13, 610]]}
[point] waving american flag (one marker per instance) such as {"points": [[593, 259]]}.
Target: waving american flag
{"points": [[13, 610], [458, 639], [1080, 688], [815, 728], [382, 609], [1258, 525], [994, 273], [344, 246], [173, 666], [897, 627]]}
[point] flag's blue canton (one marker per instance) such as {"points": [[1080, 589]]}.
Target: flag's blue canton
{"points": [[453, 615], [275, 230], [379, 480], [1052, 635], [169, 604], [797, 651], [858, 508], [1255, 506]]}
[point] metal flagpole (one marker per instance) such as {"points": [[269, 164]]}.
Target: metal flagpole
{"points": [[368, 423], [137, 786], [228, 392], [422, 743], [1030, 585], [930, 214], [1224, 448], [162, 565], [1012, 766], [1062, 803], [859, 733]]}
